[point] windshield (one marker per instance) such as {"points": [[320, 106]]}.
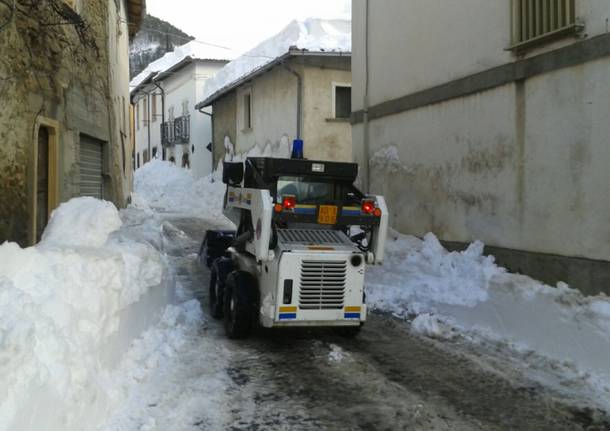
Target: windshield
{"points": [[305, 190]]}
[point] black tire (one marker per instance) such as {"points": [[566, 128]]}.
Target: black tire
{"points": [[239, 304], [215, 293]]}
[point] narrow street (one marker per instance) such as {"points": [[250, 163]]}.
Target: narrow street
{"points": [[385, 379]]}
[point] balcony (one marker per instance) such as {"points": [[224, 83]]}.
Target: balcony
{"points": [[177, 131], [182, 129]]}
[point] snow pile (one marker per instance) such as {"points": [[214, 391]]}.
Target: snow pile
{"points": [[60, 305], [313, 34], [469, 292], [84, 222], [280, 150], [429, 325], [169, 188], [193, 50], [426, 272]]}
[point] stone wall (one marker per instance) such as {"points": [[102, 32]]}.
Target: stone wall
{"points": [[56, 72]]}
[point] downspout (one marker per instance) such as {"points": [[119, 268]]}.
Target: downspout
{"points": [[162, 114], [365, 105], [148, 123], [211, 115], [299, 97]]}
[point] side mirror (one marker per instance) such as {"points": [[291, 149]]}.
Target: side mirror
{"points": [[232, 173]]}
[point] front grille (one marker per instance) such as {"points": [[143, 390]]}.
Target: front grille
{"points": [[322, 284], [312, 236]]}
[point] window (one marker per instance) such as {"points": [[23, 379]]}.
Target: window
{"points": [[539, 20], [138, 115], [248, 111], [154, 108], [342, 101]]}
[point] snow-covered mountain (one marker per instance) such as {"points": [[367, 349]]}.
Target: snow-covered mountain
{"points": [[155, 38]]}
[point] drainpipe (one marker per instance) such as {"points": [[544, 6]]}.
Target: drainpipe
{"points": [[365, 105], [212, 131], [148, 123], [162, 114], [299, 97]]}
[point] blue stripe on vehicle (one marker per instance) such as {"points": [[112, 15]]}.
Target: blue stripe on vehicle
{"points": [[305, 210], [287, 316], [351, 212], [352, 315]]}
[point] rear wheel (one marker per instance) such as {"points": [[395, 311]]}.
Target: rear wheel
{"points": [[239, 304], [215, 293]]}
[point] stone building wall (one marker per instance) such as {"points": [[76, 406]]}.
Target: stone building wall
{"points": [[55, 73]]}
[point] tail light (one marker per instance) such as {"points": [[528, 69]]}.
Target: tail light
{"points": [[289, 202], [368, 207]]}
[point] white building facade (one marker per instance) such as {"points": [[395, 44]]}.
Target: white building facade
{"points": [[166, 124], [488, 120]]}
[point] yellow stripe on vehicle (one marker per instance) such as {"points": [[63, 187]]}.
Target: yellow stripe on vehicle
{"points": [[305, 206], [353, 309], [288, 309]]}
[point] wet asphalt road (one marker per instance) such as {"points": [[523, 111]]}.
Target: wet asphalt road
{"points": [[385, 379]]}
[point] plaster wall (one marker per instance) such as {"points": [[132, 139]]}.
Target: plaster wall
{"points": [[523, 166], [326, 138], [419, 44], [274, 110], [225, 125]]}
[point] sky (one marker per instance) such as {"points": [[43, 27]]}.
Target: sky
{"points": [[242, 24]]}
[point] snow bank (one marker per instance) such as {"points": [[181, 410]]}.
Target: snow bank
{"points": [[468, 291], [169, 188], [82, 222], [427, 273], [317, 35], [60, 307]]}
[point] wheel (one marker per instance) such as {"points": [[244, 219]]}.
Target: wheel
{"points": [[239, 304], [215, 290]]}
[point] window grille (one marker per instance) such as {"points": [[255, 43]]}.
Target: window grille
{"points": [[182, 129], [537, 20]]}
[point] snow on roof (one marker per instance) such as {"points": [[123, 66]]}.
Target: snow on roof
{"points": [[191, 50], [313, 34]]}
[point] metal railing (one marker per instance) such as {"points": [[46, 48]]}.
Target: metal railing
{"points": [[177, 131], [534, 20], [182, 129]]}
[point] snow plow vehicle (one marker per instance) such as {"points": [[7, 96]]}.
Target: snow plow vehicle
{"points": [[304, 236]]}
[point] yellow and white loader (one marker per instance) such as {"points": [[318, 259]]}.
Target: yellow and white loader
{"points": [[298, 258]]}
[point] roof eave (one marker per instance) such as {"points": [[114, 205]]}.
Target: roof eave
{"points": [[292, 52], [136, 11]]}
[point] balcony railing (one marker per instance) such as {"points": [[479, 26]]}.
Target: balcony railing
{"points": [[177, 131], [182, 129]]}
